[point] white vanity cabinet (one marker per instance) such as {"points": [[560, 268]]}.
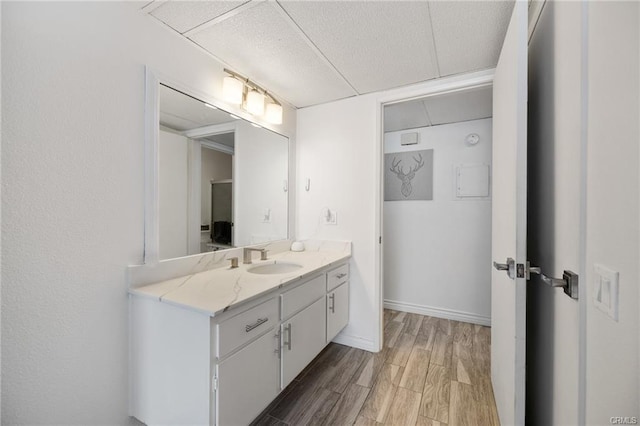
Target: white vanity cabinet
{"points": [[189, 367], [337, 300], [337, 310], [302, 339], [304, 326], [247, 381]]}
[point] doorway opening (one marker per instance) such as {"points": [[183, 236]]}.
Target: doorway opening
{"points": [[436, 205], [216, 186]]}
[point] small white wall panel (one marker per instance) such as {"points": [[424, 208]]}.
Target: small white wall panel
{"points": [[472, 180]]}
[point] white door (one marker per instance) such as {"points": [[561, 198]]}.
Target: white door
{"points": [[509, 221]]}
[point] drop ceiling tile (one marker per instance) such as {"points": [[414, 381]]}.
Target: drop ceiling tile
{"points": [[262, 45], [185, 15], [405, 115], [472, 104], [469, 34], [375, 45]]}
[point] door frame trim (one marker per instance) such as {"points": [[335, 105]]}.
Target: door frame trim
{"points": [[430, 88]]}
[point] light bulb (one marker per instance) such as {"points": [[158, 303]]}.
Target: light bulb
{"points": [[232, 90], [274, 113], [255, 102]]}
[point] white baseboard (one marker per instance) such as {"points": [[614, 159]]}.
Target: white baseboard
{"points": [[437, 312], [355, 342]]}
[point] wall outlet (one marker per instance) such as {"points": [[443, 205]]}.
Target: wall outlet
{"points": [[329, 217], [605, 290], [266, 215]]}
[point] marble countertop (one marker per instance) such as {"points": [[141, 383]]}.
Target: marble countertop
{"points": [[216, 290]]}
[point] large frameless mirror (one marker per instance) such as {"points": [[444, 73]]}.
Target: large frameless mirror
{"points": [[221, 181]]}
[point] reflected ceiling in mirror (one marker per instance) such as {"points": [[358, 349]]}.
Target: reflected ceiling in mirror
{"points": [[222, 181]]}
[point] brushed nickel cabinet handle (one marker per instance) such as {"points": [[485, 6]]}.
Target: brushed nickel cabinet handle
{"points": [[287, 342], [258, 323]]}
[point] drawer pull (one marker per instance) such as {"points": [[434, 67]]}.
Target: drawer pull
{"points": [[258, 323], [287, 329], [332, 298], [342, 275]]}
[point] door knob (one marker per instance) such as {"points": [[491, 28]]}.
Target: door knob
{"points": [[510, 267], [568, 282]]}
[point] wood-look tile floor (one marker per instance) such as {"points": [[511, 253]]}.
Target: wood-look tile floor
{"points": [[431, 372]]}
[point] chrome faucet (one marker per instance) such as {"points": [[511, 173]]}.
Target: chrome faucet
{"points": [[246, 256]]}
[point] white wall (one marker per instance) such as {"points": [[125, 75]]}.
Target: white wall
{"points": [[216, 165], [260, 169], [73, 198], [336, 151], [173, 194], [437, 258], [613, 207], [554, 225]]}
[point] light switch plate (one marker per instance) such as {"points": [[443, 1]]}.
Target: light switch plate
{"points": [[606, 290]]}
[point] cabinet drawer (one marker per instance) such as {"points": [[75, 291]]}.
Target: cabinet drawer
{"points": [[243, 327], [337, 276], [302, 296]]}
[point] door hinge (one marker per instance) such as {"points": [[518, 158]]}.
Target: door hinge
{"points": [[379, 240], [214, 381]]}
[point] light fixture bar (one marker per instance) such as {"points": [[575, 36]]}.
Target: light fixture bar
{"points": [[252, 97]]}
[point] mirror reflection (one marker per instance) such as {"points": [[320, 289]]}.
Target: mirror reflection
{"points": [[223, 181]]}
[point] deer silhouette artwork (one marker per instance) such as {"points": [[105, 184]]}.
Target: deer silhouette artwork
{"points": [[406, 178]]}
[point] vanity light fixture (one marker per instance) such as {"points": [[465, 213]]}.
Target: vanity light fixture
{"points": [[239, 90]]}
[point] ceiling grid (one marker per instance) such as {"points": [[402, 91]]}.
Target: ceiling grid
{"points": [[311, 44], [312, 52]]}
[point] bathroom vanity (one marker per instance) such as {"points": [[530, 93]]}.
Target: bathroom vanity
{"points": [[217, 346]]}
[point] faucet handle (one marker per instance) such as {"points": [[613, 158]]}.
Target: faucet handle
{"points": [[263, 254], [234, 262]]}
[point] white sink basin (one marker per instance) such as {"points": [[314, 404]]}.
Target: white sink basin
{"points": [[275, 268]]}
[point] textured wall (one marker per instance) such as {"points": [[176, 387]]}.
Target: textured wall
{"points": [[336, 150], [73, 199]]}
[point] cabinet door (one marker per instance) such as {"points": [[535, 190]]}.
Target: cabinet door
{"points": [[247, 382], [337, 310], [303, 337]]}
